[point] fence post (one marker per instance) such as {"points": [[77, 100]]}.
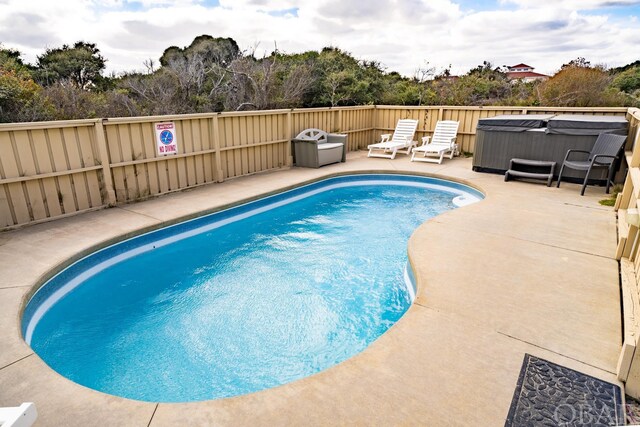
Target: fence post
{"points": [[289, 130], [215, 131], [107, 177]]}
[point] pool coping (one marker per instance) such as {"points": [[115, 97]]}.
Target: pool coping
{"points": [[260, 407]]}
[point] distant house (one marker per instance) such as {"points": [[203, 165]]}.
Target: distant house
{"points": [[524, 72]]}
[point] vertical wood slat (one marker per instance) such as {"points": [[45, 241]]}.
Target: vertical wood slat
{"points": [[128, 152], [7, 219], [141, 172], [41, 150], [87, 147], [181, 180], [157, 171], [635, 157], [240, 134], [273, 148], [115, 156], [105, 160], [11, 169], [187, 137], [75, 160], [215, 138], [289, 135], [27, 166], [65, 182]]}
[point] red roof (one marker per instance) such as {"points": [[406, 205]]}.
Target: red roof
{"points": [[523, 74], [521, 66]]}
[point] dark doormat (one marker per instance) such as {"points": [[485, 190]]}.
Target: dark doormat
{"points": [[552, 395]]}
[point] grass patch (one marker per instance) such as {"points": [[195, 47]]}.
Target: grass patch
{"points": [[611, 200]]}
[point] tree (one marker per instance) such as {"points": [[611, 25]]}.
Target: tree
{"points": [[420, 79], [337, 76], [11, 57], [154, 94], [618, 70], [482, 85], [275, 81], [213, 74], [579, 86], [253, 83], [295, 79], [80, 65], [627, 83], [344, 80], [202, 70], [189, 80], [21, 99], [579, 62], [628, 80]]}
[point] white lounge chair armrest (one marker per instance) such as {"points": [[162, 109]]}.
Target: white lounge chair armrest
{"points": [[385, 137], [425, 140]]}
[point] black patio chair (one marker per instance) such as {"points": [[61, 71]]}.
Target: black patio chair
{"points": [[602, 156]]}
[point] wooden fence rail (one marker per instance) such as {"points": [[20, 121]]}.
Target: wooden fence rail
{"points": [[55, 169]]}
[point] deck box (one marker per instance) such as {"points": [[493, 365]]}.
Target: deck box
{"points": [[313, 148]]}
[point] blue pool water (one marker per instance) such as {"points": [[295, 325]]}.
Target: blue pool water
{"points": [[242, 300]]}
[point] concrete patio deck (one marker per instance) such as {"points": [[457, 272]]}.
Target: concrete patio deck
{"points": [[528, 270]]}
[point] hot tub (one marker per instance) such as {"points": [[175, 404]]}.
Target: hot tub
{"points": [[539, 137]]}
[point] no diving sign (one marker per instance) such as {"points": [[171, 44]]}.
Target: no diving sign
{"points": [[166, 139]]}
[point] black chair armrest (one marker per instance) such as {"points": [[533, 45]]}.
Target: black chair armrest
{"points": [[574, 151], [599, 156]]}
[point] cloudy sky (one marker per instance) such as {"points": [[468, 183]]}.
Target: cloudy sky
{"points": [[401, 34]]}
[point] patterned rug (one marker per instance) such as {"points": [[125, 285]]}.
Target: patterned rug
{"points": [[552, 395]]}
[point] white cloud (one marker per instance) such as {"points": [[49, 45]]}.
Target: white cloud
{"points": [[401, 34], [265, 5], [570, 4]]}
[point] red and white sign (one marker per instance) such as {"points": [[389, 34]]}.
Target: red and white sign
{"points": [[166, 139]]}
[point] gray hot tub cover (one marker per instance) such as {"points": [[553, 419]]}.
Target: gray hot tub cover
{"points": [[514, 123], [587, 125]]}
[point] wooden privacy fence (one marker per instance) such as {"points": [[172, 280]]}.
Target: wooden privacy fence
{"points": [[55, 169], [627, 252]]}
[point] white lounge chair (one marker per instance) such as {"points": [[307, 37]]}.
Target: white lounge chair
{"points": [[433, 149], [20, 416], [401, 141]]}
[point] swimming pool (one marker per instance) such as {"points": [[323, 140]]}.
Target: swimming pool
{"points": [[241, 300]]}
